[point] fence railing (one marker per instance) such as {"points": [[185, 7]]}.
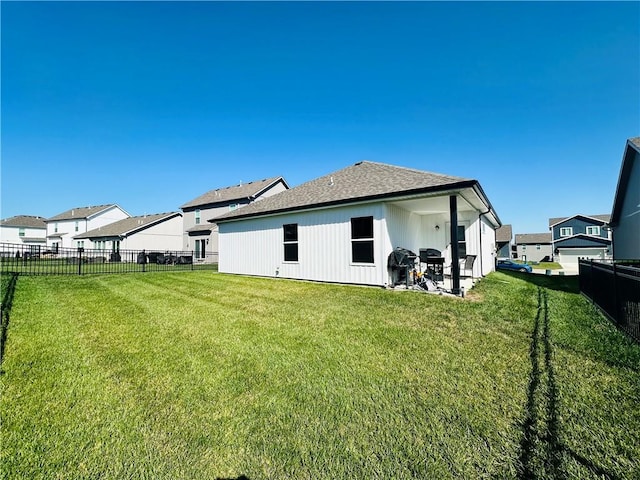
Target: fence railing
{"points": [[28, 260], [615, 288]]}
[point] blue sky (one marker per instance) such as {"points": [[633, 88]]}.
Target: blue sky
{"points": [[150, 104]]}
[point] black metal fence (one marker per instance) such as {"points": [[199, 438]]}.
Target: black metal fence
{"points": [[615, 288], [30, 260]]}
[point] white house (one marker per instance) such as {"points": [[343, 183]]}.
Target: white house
{"points": [[342, 227], [161, 232], [63, 227], [625, 216], [22, 233], [200, 235]]}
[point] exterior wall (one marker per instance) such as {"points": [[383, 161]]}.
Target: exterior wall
{"points": [[161, 237], [534, 252], [66, 228], [255, 246], [626, 240], [487, 247], [504, 250], [579, 225], [12, 235]]}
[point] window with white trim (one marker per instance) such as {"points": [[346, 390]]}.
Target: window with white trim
{"points": [[362, 240], [593, 230], [290, 235], [233, 206], [77, 226], [197, 215], [566, 231], [21, 232]]}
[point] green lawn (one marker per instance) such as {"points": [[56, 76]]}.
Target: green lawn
{"points": [[199, 375]]}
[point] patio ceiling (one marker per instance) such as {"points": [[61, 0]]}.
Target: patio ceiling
{"points": [[439, 204]]}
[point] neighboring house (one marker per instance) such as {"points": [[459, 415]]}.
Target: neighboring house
{"points": [[580, 236], [504, 235], [160, 232], [342, 227], [625, 216], [63, 227], [534, 247], [27, 231], [201, 236]]}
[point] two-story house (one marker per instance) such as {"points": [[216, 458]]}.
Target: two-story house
{"points": [[23, 233], [200, 235], [63, 227], [580, 236], [534, 247]]}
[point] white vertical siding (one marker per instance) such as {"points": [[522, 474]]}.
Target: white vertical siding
{"points": [[255, 246]]}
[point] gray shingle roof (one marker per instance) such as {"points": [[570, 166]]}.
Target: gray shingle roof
{"points": [[504, 233], [229, 194], [28, 221], [81, 212], [362, 181], [532, 238], [603, 218], [128, 225], [636, 142]]}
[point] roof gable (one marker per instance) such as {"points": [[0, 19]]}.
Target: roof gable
{"points": [[81, 213], [362, 181], [596, 219], [235, 192], [27, 221], [631, 153], [128, 226]]}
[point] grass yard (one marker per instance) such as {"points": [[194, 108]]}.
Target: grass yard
{"points": [[199, 375]]}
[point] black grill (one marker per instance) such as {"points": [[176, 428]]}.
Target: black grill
{"points": [[435, 261], [400, 261]]}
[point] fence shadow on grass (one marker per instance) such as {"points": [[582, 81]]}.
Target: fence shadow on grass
{"points": [[5, 312], [562, 283], [542, 452]]}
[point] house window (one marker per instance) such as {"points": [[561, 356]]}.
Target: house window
{"points": [[524, 248], [77, 227], [197, 217], [462, 242], [21, 232], [566, 231], [55, 228], [80, 243], [200, 248], [362, 240], [537, 247], [115, 246], [56, 247], [593, 230], [233, 206], [290, 233]]}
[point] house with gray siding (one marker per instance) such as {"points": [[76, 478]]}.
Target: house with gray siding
{"points": [[200, 234], [342, 227], [504, 238], [534, 247], [625, 216], [580, 236]]}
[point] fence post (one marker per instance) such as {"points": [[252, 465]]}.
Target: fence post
{"points": [[616, 317], [193, 259], [80, 250]]}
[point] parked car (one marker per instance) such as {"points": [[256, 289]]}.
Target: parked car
{"points": [[513, 266]]}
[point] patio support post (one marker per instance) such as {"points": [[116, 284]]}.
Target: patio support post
{"points": [[455, 253]]}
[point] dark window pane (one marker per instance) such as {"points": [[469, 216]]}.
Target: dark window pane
{"points": [[362, 252], [362, 227], [290, 232], [462, 249], [290, 252], [461, 237]]}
